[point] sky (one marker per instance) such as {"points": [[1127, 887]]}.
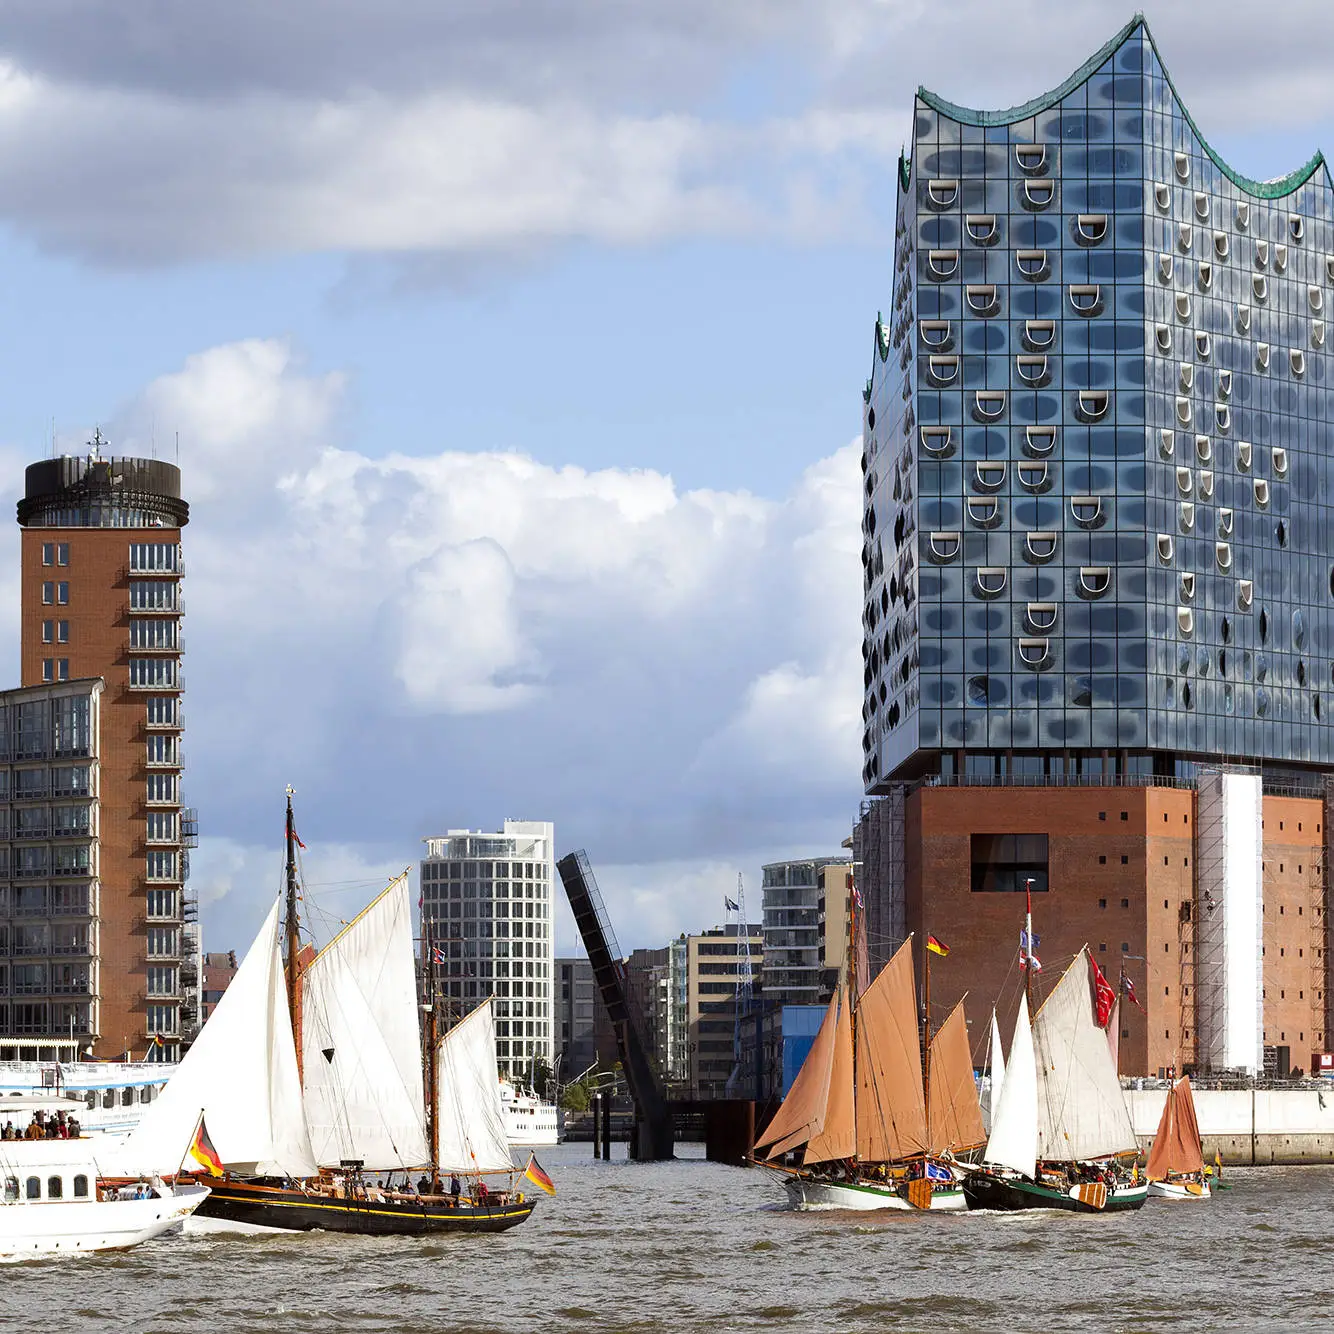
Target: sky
{"points": [[512, 353]]}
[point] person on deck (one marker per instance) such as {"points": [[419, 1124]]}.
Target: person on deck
{"points": [[454, 1188]]}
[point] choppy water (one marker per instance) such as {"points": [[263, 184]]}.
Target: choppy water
{"points": [[670, 1248]]}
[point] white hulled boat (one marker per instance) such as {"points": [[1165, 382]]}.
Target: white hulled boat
{"points": [[1176, 1161], [530, 1121]]}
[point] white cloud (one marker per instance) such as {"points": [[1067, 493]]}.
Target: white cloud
{"points": [[444, 641]]}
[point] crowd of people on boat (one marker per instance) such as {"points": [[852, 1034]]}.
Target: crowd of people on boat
{"points": [[43, 1126], [432, 1189]]}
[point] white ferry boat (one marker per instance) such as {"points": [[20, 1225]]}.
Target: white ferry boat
{"points": [[112, 1094], [529, 1121]]}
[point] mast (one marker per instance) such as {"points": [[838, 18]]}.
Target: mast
{"points": [[926, 1028], [293, 928], [431, 1065], [1028, 943]]}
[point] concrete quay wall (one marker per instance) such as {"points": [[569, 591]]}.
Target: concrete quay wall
{"points": [[1250, 1127]]}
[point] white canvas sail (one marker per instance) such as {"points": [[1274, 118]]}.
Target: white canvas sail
{"points": [[1014, 1120], [1081, 1110], [471, 1120], [997, 1075], [240, 1073], [360, 1043]]}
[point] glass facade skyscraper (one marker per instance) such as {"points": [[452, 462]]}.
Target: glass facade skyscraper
{"points": [[1098, 524]]}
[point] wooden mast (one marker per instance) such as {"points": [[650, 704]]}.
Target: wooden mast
{"points": [[431, 1037], [926, 1026], [293, 925]]}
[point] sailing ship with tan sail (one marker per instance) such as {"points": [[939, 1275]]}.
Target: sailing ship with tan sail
{"points": [[855, 1130], [1176, 1161]]}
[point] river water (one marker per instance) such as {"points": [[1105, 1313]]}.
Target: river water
{"points": [[670, 1248]]}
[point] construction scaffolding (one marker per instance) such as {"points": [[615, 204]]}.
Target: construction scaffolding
{"points": [[879, 843]]}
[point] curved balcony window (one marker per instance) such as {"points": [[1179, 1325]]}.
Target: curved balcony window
{"points": [[1329, 267], [942, 264], [1204, 448], [1203, 345], [1187, 515], [1280, 259], [1223, 555], [1094, 580], [1244, 455], [937, 440], [1040, 547], [1261, 254], [1032, 264], [1206, 484], [1201, 205], [1035, 653], [1090, 228], [1298, 628], [1086, 298], [1245, 593], [1224, 384], [1223, 417], [1261, 492], [1040, 440], [1317, 333], [942, 193], [984, 511], [989, 405], [1260, 287], [1225, 522], [1184, 481], [1262, 356], [1261, 702], [1185, 237], [1033, 476], [1166, 442], [1042, 616], [1315, 298], [1163, 336], [944, 546], [990, 581], [1186, 375], [1187, 588], [1039, 194], [1243, 215], [979, 690], [943, 370], [1039, 334], [1185, 620], [1183, 409], [1204, 275], [935, 334], [1165, 548], [1297, 361], [1243, 319], [1182, 304], [1165, 268], [1086, 511], [1033, 370], [1162, 196], [988, 476], [1092, 404], [1279, 458], [982, 299], [1030, 158], [1220, 245], [981, 228]]}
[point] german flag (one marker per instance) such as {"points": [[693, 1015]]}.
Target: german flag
{"points": [[203, 1152], [937, 946], [537, 1176]]}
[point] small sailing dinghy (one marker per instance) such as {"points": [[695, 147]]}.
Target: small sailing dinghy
{"points": [[1176, 1161], [1061, 1121], [312, 1084]]}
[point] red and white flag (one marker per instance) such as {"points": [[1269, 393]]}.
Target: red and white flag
{"points": [[1104, 995]]}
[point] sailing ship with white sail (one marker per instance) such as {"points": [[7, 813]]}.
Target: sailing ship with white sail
{"points": [[1061, 1121], [1176, 1161], [857, 1111], [313, 1119]]}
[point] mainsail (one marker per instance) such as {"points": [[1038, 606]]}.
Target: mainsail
{"points": [[891, 1110], [240, 1074], [837, 1138], [470, 1119], [802, 1114], [1081, 1111], [997, 1076], [1014, 1116], [956, 1114], [1176, 1147], [360, 1042]]}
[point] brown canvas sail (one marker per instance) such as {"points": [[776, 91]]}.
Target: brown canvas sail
{"points": [[1176, 1147], [956, 1114], [838, 1135], [891, 1111], [802, 1114]]}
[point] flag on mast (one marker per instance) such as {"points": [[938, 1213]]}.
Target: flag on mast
{"points": [[203, 1152], [537, 1176], [1104, 997], [937, 946]]}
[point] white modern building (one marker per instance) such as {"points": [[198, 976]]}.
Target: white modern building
{"points": [[487, 910]]}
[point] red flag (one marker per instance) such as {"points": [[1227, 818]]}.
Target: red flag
{"points": [[1129, 988], [1104, 997]]}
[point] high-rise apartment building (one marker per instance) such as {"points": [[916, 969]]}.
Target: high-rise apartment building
{"points": [[793, 930], [486, 899], [1098, 474], [97, 843], [713, 973]]}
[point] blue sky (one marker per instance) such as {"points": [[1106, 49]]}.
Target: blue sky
{"points": [[515, 356]]}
